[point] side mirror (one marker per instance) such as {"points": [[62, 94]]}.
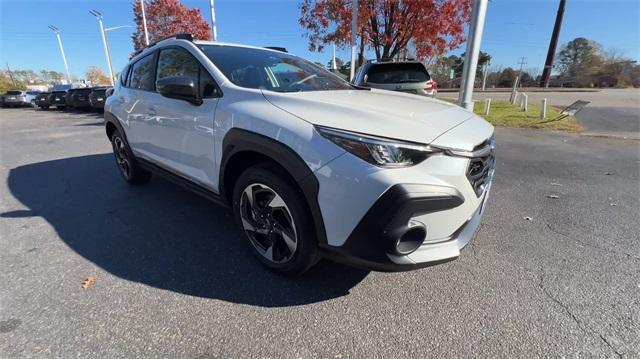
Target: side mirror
{"points": [[179, 87]]}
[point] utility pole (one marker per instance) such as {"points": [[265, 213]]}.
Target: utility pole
{"points": [[354, 34], [472, 53], [214, 30], [144, 23], [98, 16], [523, 61], [64, 58], [548, 65]]}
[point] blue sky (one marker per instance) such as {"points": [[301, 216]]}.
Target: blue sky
{"points": [[514, 28]]}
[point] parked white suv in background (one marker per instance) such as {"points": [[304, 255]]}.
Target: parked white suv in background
{"points": [[404, 76], [311, 165]]}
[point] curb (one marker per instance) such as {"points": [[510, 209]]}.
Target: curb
{"points": [[619, 136]]}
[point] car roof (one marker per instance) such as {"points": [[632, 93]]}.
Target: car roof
{"points": [[174, 41], [396, 62], [230, 44]]}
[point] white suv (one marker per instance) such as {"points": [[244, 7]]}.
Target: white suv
{"points": [[312, 166]]}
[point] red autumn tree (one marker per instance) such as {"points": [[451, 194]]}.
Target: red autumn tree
{"points": [[166, 18], [387, 26]]}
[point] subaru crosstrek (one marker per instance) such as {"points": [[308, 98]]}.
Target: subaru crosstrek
{"points": [[311, 165]]}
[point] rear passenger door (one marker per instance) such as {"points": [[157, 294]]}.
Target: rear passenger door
{"points": [[181, 134]]}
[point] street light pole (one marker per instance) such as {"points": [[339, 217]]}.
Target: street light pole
{"points": [[354, 34], [472, 53], [98, 15], [144, 23], [484, 75], [334, 66], [214, 30], [64, 58]]}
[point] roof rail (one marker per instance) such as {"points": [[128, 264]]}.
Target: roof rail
{"points": [[182, 36], [277, 48]]}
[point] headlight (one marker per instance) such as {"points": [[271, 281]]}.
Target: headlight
{"points": [[379, 151]]}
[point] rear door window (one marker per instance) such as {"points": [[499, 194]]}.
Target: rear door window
{"points": [[397, 73]]}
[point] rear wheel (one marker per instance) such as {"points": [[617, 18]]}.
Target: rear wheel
{"points": [[275, 219], [127, 164]]}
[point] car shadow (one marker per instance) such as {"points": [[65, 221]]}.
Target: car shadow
{"points": [[161, 235]]}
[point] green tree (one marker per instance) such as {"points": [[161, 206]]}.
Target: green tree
{"points": [[506, 77], [579, 59], [339, 63], [343, 67]]}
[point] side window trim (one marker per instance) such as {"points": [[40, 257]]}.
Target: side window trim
{"points": [[200, 65], [124, 77]]}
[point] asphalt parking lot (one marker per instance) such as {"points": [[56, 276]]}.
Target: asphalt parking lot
{"points": [[173, 277]]}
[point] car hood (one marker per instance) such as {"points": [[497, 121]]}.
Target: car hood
{"points": [[376, 112]]}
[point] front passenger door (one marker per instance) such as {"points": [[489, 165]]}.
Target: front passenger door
{"points": [[182, 132]]}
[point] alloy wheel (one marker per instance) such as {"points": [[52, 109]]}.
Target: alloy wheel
{"points": [[268, 223], [121, 156]]}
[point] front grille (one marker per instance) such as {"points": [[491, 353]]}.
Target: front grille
{"points": [[480, 169]]}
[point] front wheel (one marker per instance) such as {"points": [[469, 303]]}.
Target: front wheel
{"points": [[275, 219], [127, 164]]}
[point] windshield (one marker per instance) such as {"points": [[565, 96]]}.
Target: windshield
{"points": [[14, 92], [397, 73], [271, 70]]}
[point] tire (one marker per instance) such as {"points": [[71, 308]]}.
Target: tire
{"points": [[126, 162], [276, 220]]}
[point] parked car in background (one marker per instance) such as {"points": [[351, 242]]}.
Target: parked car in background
{"points": [[405, 76], [80, 99], [68, 98], [31, 97], [311, 165], [58, 99], [43, 100], [17, 98], [97, 97]]}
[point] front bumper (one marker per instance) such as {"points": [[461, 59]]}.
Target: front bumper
{"points": [[367, 211], [371, 245]]}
